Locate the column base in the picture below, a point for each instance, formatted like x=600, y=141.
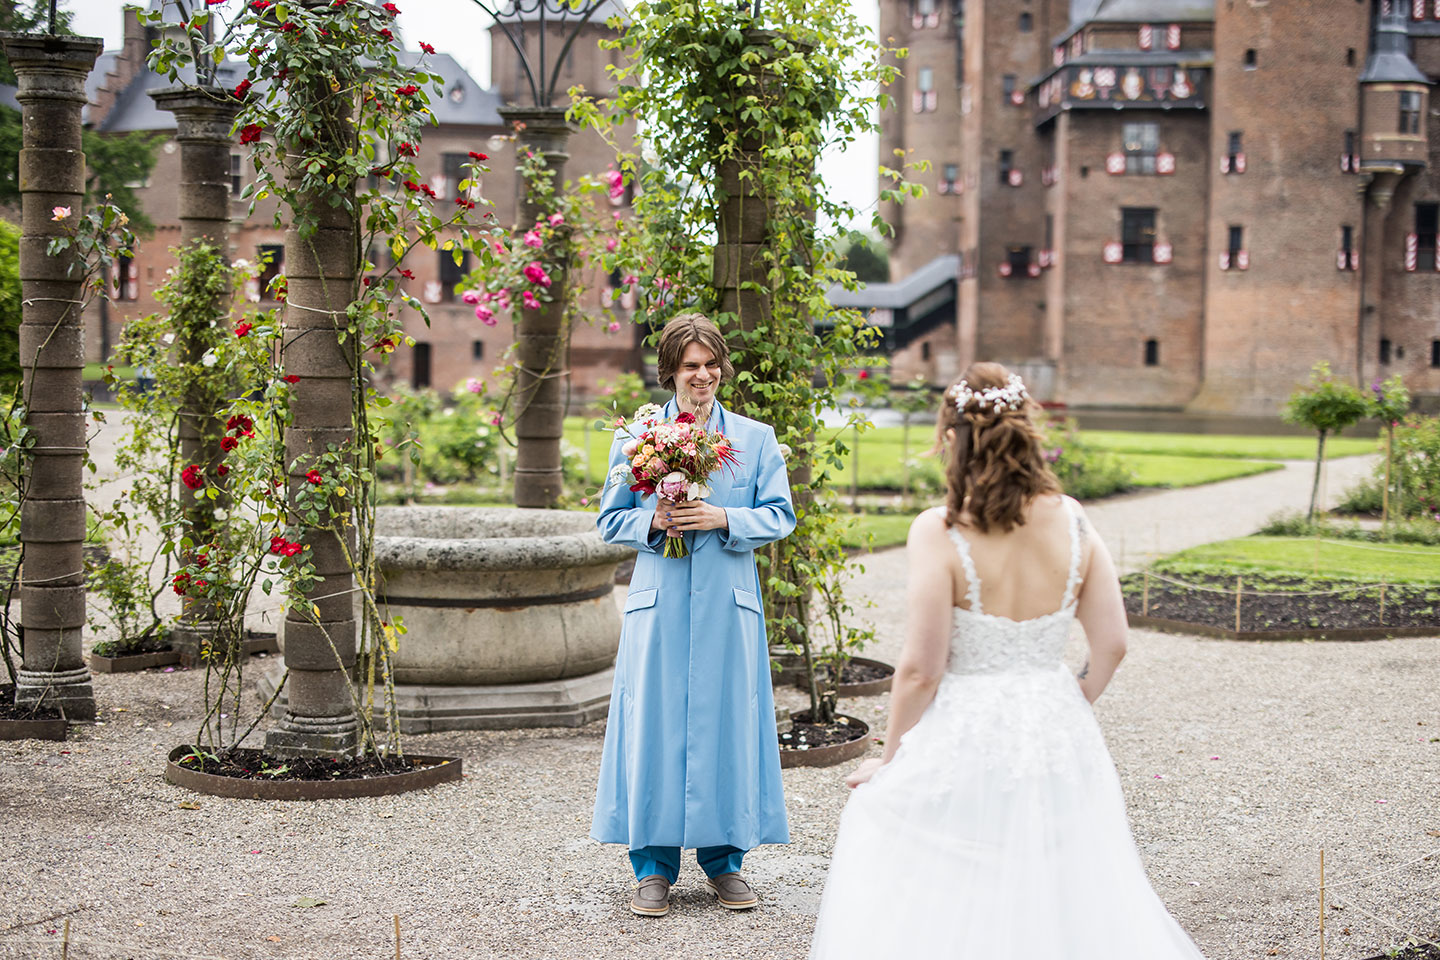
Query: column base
x=190, y=639
x=314, y=737
x=70, y=691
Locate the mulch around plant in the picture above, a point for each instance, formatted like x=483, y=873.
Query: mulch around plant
x=809, y=735
x=1419, y=951
x=9, y=711
x=859, y=672
x=1285, y=607
x=132, y=647
x=246, y=764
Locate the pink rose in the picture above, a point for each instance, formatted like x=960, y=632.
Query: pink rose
x=530, y=300
x=556, y=219
x=611, y=244
x=535, y=273
x=674, y=486
x=485, y=315
x=631, y=279
x=475, y=385
x=613, y=326
x=470, y=296
x=532, y=239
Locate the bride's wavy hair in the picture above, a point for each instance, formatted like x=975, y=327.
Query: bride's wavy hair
x=994, y=465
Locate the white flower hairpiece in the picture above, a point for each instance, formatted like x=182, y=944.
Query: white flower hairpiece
x=1012, y=396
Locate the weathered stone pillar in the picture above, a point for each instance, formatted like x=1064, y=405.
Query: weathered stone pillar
x=52, y=72
x=203, y=117
x=320, y=648
x=542, y=342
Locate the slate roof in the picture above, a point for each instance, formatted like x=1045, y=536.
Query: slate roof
x=902, y=293
x=1141, y=11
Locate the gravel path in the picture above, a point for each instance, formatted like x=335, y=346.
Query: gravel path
x=1239, y=763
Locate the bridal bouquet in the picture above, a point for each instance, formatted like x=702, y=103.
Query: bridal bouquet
x=673, y=458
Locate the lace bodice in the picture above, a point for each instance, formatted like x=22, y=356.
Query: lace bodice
x=985, y=643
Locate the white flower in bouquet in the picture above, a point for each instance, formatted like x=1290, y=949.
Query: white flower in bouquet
x=647, y=411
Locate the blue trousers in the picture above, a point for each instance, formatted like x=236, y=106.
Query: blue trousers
x=666, y=861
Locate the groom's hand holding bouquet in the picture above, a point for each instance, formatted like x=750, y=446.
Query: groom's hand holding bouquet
x=674, y=459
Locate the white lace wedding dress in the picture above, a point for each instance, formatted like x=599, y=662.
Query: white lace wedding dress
x=998, y=829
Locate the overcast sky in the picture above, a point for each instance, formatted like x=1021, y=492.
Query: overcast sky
x=458, y=27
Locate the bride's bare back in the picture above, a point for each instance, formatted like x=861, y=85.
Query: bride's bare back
x=1022, y=573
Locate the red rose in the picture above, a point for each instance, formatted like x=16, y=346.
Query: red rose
x=260, y=5
x=202, y=584
x=408, y=150
x=479, y=156
x=288, y=26
x=290, y=549
x=407, y=274
x=290, y=378
x=242, y=88
x=864, y=374
x=192, y=477
x=241, y=329
x=426, y=47
x=428, y=190
x=411, y=185
x=222, y=470
x=228, y=444
x=390, y=8
x=250, y=133
x=467, y=204
x=387, y=34
x=685, y=417
x=213, y=3
x=314, y=477
x=409, y=90
x=277, y=543
x=202, y=561
x=180, y=581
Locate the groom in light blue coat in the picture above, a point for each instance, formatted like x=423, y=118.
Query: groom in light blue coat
x=691, y=758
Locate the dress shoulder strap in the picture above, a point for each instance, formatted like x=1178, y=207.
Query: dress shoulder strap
x=1072, y=579
x=972, y=579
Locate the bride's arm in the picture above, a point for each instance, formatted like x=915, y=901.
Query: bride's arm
x=1101, y=611
x=930, y=601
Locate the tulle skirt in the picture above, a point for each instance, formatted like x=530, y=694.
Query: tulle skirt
x=997, y=831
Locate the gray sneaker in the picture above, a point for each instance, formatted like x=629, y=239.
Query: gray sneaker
x=652, y=897
x=733, y=892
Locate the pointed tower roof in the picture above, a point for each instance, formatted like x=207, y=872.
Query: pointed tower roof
x=1389, y=60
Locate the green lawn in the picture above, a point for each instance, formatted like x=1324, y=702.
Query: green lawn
x=886, y=529
x=1401, y=563
x=1206, y=445
x=1163, y=470
x=96, y=371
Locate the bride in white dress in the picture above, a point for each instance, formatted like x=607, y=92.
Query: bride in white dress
x=993, y=826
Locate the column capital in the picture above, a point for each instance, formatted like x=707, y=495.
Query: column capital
x=202, y=114
x=51, y=68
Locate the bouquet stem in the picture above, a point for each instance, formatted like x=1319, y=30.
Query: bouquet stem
x=675, y=546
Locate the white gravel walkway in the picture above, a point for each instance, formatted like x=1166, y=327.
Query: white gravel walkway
x=1239, y=762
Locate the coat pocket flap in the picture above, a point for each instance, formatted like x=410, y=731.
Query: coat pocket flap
x=748, y=600
x=640, y=599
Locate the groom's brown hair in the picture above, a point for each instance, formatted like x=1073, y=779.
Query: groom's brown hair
x=683, y=330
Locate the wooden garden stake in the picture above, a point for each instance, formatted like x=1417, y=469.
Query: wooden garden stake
x=1145, y=596
x=1237, y=604
x=397, y=936
x=1322, y=903
x=1382, y=603
x=65, y=941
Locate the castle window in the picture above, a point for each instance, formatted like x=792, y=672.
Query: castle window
x=949, y=179
x=1427, y=220
x=1018, y=259
x=1152, y=352
x=451, y=273
x=1027, y=23
x=1142, y=142
x=1007, y=86
x=1137, y=234
x=477, y=349
x=420, y=366
x=1237, y=241
x=925, y=350
x=1251, y=62
x=1435, y=353
x=1349, y=56
x=237, y=176
x=1409, y=111
x=1347, y=247
x=1384, y=350
x=925, y=95
x=453, y=166
x=272, y=260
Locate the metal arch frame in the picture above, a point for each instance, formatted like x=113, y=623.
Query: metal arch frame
x=508, y=17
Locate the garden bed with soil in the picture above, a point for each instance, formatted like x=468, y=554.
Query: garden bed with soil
x=30, y=722
x=1282, y=607
x=809, y=744
x=1419, y=951
x=251, y=774
x=860, y=677
x=151, y=653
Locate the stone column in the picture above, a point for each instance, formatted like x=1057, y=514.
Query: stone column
x=52, y=72
x=320, y=649
x=203, y=116
x=542, y=342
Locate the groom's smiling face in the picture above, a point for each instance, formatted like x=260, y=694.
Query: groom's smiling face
x=698, y=376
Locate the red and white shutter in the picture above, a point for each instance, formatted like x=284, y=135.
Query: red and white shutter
x=1342, y=260
x=933, y=20
x=1239, y=163
x=1164, y=253
x=932, y=97
x=1033, y=269
x=1224, y=259
x=1016, y=178
x=1172, y=37
x=1017, y=97
x=114, y=279
x=1417, y=9
x=1242, y=259
x=1412, y=249
x=1059, y=55
x=1004, y=269
x=132, y=289
x=1354, y=259
x=1115, y=164
x=917, y=21
x=1114, y=252
x=1077, y=45
x=917, y=101
x=1165, y=163
x=1225, y=164
x=1147, y=36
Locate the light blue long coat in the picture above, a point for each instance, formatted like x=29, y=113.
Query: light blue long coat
x=691, y=757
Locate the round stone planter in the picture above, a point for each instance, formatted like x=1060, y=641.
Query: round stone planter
x=509, y=615
x=428, y=772
x=830, y=754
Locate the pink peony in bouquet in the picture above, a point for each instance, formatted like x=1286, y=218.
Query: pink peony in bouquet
x=672, y=458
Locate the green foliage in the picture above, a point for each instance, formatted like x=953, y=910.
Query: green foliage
x=623, y=395
x=1293, y=524
x=1084, y=473
x=1222, y=445
x=1325, y=405
x=868, y=259
x=729, y=102
x=9, y=306
x=1307, y=557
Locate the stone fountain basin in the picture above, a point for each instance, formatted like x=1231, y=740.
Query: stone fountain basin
x=493, y=595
